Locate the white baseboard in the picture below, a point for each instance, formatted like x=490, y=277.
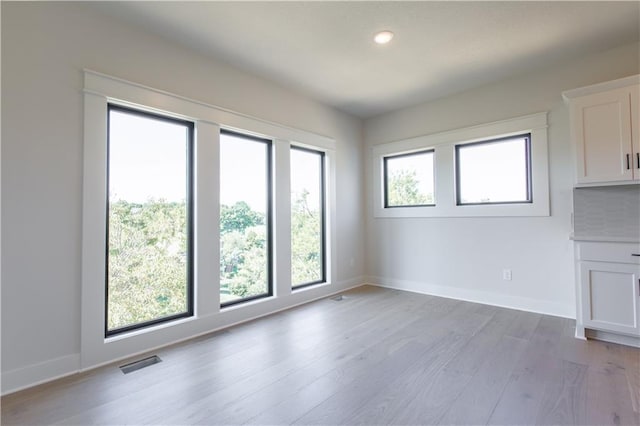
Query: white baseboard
x=495, y=299
x=353, y=283
x=35, y=374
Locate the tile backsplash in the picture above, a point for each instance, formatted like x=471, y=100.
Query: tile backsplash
x=611, y=211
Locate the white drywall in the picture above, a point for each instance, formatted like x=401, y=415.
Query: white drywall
x=45, y=47
x=465, y=257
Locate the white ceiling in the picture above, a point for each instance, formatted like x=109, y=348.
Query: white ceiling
x=325, y=49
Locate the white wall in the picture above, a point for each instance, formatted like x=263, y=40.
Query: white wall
x=45, y=46
x=464, y=257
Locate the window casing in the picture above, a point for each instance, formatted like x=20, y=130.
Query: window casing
x=495, y=171
x=246, y=240
x=100, y=91
x=149, y=232
x=444, y=146
x=409, y=179
x=308, y=217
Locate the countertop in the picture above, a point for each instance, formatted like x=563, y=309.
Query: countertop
x=602, y=239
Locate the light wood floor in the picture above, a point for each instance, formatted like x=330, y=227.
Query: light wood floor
x=377, y=357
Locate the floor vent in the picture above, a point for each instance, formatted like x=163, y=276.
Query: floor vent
x=338, y=297
x=142, y=363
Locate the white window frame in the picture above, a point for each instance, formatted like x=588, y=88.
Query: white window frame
x=101, y=89
x=444, y=145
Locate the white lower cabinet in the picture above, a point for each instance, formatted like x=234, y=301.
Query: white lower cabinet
x=609, y=291
x=610, y=296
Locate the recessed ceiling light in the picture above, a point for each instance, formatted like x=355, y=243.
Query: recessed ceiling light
x=383, y=37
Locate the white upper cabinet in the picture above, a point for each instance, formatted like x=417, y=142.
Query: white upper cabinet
x=605, y=130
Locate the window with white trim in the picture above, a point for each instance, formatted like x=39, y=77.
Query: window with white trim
x=154, y=212
x=408, y=179
x=149, y=257
x=245, y=218
x=493, y=169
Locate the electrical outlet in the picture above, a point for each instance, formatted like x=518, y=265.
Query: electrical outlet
x=506, y=274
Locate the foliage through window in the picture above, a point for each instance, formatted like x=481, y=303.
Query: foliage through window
x=149, y=256
x=307, y=217
x=245, y=222
x=496, y=171
x=162, y=184
x=408, y=180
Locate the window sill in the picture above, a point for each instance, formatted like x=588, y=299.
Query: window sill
x=242, y=304
x=148, y=330
x=309, y=286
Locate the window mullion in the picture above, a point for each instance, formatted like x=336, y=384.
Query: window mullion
x=282, y=218
x=207, y=219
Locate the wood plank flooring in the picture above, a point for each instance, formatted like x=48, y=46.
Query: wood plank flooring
x=378, y=356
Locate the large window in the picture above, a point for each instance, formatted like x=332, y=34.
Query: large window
x=495, y=171
x=307, y=217
x=245, y=218
x=149, y=220
x=182, y=218
x=408, y=180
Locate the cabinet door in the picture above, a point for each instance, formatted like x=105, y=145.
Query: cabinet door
x=602, y=131
x=610, y=296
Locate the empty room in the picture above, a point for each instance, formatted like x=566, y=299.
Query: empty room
x=322, y=212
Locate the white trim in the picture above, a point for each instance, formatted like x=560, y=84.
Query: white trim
x=603, y=239
x=602, y=184
x=206, y=205
x=330, y=216
x=93, y=218
x=545, y=307
x=632, y=80
x=36, y=374
x=511, y=126
x=140, y=96
x=99, y=91
x=443, y=145
x=282, y=218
